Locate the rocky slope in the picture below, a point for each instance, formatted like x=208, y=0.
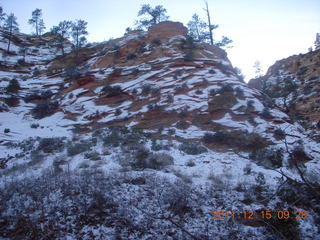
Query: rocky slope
x=155, y=112
x=293, y=83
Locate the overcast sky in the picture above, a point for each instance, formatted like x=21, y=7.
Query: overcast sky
x=264, y=30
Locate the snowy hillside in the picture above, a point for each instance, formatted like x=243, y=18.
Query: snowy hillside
x=145, y=137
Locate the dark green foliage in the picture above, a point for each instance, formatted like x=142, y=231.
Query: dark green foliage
x=142, y=159
x=72, y=72
x=78, y=148
x=13, y=86
x=181, y=88
x=51, y=145
x=146, y=88
x=209, y=138
x=6, y=130
x=131, y=56
x=112, y=91
x=188, y=43
x=44, y=109
x=212, y=71
x=198, y=92
x=192, y=148
x=35, y=72
x=252, y=121
x=268, y=157
x=34, y=125
x=123, y=136
x=152, y=16
x=188, y=57
x=298, y=156
x=266, y=113
x=284, y=228
x=250, y=103
x=45, y=95
x=156, y=42
x=239, y=91
x=279, y=134
x=241, y=140
x=226, y=88
x=12, y=101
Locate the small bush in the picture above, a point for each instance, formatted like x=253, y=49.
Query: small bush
x=72, y=72
x=239, y=91
x=156, y=42
x=6, y=130
x=188, y=57
x=268, y=157
x=226, y=88
x=112, y=91
x=250, y=103
x=190, y=163
x=78, y=148
x=252, y=121
x=208, y=138
x=181, y=88
x=298, y=156
x=146, y=88
x=13, y=86
x=44, y=109
x=94, y=156
x=212, y=71
x=266, y=113
x=21, y=62
x=34, y=125
x=279, y=134
x=35, y=72
x=242, y=140
x=192, y=148
x=12, y=101
x=131, y=56
x=198, y=92
x=50, y=145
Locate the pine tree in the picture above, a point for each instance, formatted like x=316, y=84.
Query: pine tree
x=2, y=16
x=201, y=31
x=78, y=32
x=257, y=69
x=198, y=29
x=10, y=26
x=317, y=42
x=61, y=33
x=154, y=16
x=37, y=22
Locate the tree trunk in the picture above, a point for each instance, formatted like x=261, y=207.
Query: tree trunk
x=209, y=23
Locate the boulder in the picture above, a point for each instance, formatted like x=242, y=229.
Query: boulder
x=166, y=30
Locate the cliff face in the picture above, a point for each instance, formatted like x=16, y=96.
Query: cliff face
x=152, y=109
x=294, y=84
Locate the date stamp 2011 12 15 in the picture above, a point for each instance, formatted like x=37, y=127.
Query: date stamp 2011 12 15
x=259, y=214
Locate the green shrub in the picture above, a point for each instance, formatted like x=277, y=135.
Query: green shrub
x=50, y=145
x=192, y=148
x=13, y=86
x=78, y=148
x=44, y=109
x=131, y=56
x=268, y=157
x=241, y=140
x=6, y=130
x=112, y=91
x=266, y=113
x=226, y=88
x=145, y=89
x=279, y=134
x=156, y=42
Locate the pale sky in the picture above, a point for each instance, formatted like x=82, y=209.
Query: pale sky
x=264, y=30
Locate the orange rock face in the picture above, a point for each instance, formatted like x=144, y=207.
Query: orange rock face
x=167, y=30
